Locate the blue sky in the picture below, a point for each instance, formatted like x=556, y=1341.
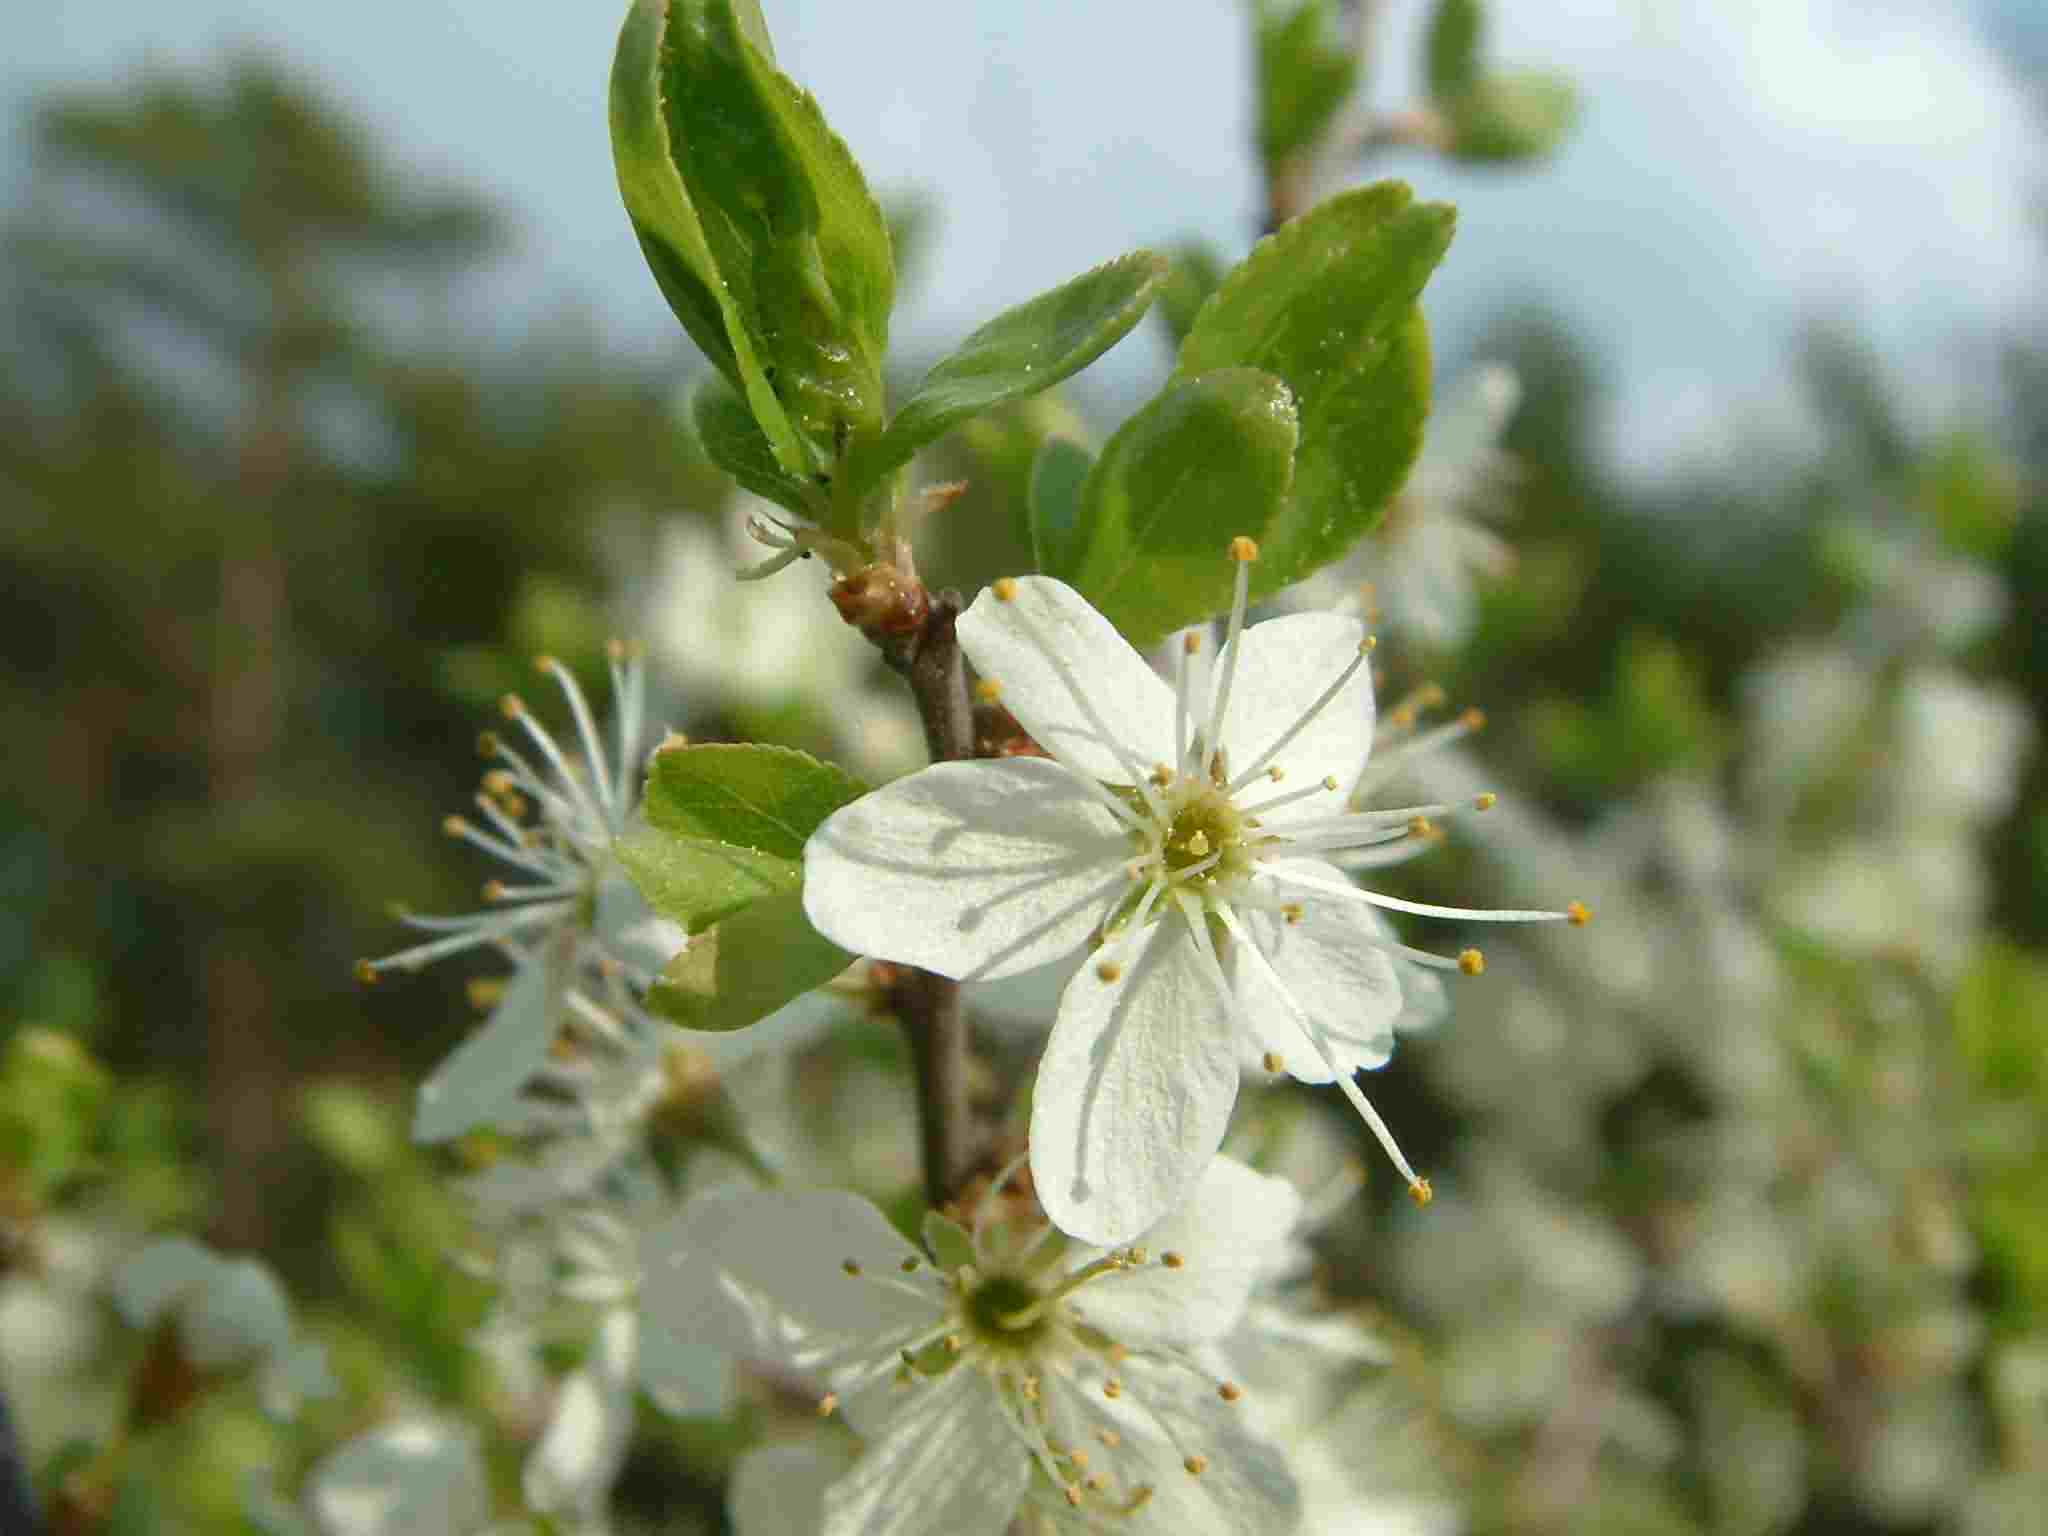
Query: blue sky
x=1741, y=162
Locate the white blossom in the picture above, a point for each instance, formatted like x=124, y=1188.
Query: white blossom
x=583, y=943
x=1006, y=1370
x=231, y=1315
x=1168, y=830
x=412, y=1477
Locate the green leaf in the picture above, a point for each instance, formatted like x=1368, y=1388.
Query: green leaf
x=1511, y=118
x=696, y=882
x=733, y=441
x=1054, y=507
x=1193, y=276
x=747, y=966
x=1212, y=457
x=1328, y=305
x=765, y=800
x=1450, y=49
x=1020, y=352
x=1306, y=74
x=757, y=222
x=951, y=1246
x=726, y=826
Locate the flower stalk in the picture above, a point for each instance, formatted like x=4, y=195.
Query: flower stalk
x=927, y=654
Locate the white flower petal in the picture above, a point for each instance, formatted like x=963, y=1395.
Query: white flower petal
x=685, y=1377
x=418, y=1477
x=1336, y=974
x=780, y=1489
x=1164, y=1415
x=484, y=1074
x=1227, y=1234
x=1118, y=692
x=973, y=870
x=1135, y=1088
x=948, y=1465
x=760, y=1274
x=1284, y=666
x=239, y=1314
x=571, y=1470
x=159, y=1276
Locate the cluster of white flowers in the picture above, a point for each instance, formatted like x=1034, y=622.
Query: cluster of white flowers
x=1069, y=1356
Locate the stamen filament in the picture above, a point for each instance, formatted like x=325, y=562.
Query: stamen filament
x=1219, y=708
x=1258, y=764
x=1314, y=1034
x=586, y=729
x=1418, y=908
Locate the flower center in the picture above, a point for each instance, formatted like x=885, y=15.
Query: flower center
x=1204, y=833
x=1006, y=1312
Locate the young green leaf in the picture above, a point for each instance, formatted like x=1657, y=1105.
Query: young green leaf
x=1307, y=72
x=1211, y=458
x=1328, y=305
x=1054, y=506
x=767, y=800
x=1450, y=48
x=747, y=966
x=756, y=221
x=1020, y=352
x=733, y=441
x=1511, y=118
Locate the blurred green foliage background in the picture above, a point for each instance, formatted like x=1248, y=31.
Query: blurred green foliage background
x=275, y=533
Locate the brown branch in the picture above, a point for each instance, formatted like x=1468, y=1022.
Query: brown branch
x=922, y=646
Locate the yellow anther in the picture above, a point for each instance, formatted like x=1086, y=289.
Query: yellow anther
x=1005, y=589
x=1109, y=970
x=1198, y=844
x=1485, y=802
x=495, y=890
x=1029, y=1387
x=1171, y=1259
x=953, y=1344
x=1471, y=962
x=1273, y=1062
x=1369, y=643
x=487, y=743
x=1420, y=826
x=546, y=663
x=454, y=826
x=1079, y=1458
x=1191, y=642
x=1243, y=549
x=511, y=706
x=1096, y=1482
x=615, y=649
x=909, y=1265
x=828, y=1405
x=1578, y=914
x=1112, y=1388
x=498, y=782
x=1276, y=773
x=1293, y=911
x=1473, y=719
x=851, y=1266
x=1109, y=1437
x=366, y=973
x=1073, y=1495
x=1420, y=1192
x=1329, y=781
x=988, y=690
x=1161, y=775
x=1196, y=1465
x=1229, y=1391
